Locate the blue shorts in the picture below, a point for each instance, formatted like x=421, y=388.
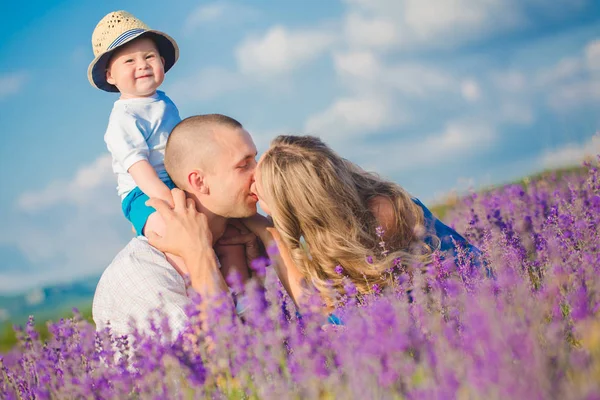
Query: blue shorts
x=135, y=208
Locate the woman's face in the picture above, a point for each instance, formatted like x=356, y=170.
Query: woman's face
x=258, y=189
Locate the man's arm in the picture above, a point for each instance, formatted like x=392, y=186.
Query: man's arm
x=187, y=235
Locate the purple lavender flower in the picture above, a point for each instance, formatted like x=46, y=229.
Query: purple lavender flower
x=376, y=289
x=437, y=331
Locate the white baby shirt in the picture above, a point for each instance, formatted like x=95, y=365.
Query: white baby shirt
x=138, y=130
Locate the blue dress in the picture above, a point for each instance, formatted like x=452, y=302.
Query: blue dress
x=449, y=241
x=449, y=238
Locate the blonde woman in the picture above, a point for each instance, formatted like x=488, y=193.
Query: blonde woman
x=333, y=220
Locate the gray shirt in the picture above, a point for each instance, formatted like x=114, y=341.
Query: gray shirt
x=137, y=282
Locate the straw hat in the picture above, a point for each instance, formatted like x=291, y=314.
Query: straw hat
x=113, y=31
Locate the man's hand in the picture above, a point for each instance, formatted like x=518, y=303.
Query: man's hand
x=186, y=230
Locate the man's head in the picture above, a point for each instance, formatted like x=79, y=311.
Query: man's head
x=213, y=159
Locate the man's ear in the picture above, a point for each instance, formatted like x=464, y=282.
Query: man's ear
x=197, y=182
x=163, y=60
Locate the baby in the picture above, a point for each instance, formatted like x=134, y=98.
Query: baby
x=131, y=59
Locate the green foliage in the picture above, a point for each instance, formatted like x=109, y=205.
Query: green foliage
x=7, y=334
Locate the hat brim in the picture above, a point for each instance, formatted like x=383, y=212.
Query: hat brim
x=167, y=47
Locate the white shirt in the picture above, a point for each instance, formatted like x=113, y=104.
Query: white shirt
x=137, y=130
x=139, y=281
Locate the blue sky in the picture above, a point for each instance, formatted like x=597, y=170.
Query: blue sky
x=437, y=95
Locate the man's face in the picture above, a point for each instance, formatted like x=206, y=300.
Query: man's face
x=232, y=175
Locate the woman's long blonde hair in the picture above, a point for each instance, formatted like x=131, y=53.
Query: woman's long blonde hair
x=315, y=194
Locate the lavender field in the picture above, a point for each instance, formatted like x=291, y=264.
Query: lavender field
x=525, y=326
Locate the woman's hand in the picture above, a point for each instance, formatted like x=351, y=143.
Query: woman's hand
x=186, y=230
x=259, y=225
x=244, y=237
x=275, y=235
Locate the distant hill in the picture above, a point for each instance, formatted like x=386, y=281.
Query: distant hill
x=442, y=208
x=47, y=303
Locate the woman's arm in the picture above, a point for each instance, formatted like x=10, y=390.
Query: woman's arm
x=287, y=270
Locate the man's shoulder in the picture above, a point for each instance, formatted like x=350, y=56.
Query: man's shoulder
x=138, y=260
x=137, y=281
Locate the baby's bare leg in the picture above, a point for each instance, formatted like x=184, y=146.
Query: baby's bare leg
x=156, y=224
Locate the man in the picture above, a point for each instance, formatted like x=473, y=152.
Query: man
x=212, y=158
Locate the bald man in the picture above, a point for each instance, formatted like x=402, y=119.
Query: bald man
x=212, y=158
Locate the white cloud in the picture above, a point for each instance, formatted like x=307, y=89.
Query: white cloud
x=457, y=139
x=386, y=24
x=516, y=112
x=281, y=50
x=434, y=19
x=566, y=97
x=365, y=32
x=207, y=84
x=358, y=64
x=592, y=55
x=418, y=24
x=352, y=116
x=572, y=81
x=67, y=230
x=570, y=154
x=565, y=70
x=509, y=81
x=470, y=90
x=221, y=12
x=12, y=83
x=88, y=182
x=364, y=71
x=420, y=80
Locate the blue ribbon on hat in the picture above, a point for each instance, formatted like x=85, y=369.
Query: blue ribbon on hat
x=124, y=36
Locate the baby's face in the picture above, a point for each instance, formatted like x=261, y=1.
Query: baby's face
x=136, y=69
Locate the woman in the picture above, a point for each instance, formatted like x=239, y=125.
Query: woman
x=333, y=220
